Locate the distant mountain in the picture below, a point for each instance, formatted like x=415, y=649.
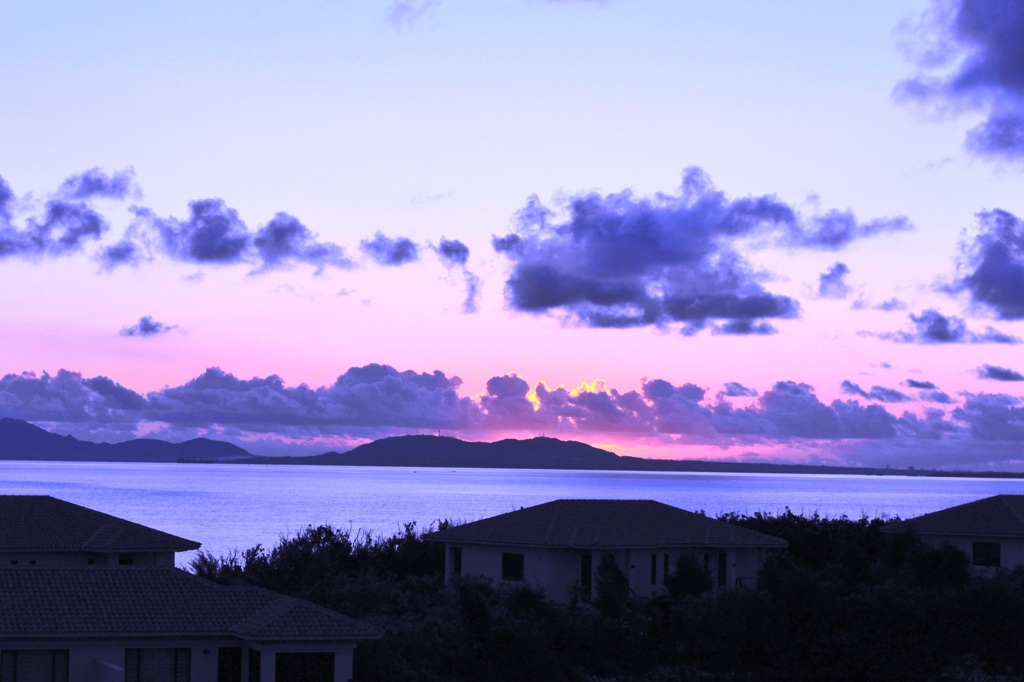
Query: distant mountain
x=441, y=451
x=21, y=440
x=536, y=453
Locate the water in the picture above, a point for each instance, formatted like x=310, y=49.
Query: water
x=233, y=506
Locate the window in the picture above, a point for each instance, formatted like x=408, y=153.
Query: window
x=664, y=569
x=986, y=554
x=254, y=665
x=654, y=569
x=125, y=560
x=43, y=665
x=512, y=566
x=229, y=664
x=304, y=667
x=157, y=665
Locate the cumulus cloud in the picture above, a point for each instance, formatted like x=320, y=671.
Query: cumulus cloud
x=999, y=373
x=993, y=417
x=735, y=389
x=95, y=183
x=914, y=383
x=455, y=255
x=621, y=260
x=993, y=264
x=388, y=251
x=832, y=282
x=378, y=400
x=879, y=393
x=970, y=57
x=932, y=327
x=285, y=240
x=147, y=326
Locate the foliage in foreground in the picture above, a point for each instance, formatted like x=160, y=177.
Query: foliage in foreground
x=845, y=602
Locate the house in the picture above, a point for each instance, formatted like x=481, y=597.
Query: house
x=89, y=597
x=990, y=531
x=557, y=546
x=43, y=531
x=153, y=624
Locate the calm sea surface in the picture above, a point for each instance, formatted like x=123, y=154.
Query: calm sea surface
x=233, y=506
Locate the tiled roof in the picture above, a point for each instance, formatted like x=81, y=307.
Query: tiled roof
x=166, y=602
x=44, y=523
x=605, y=524
x=998, y=516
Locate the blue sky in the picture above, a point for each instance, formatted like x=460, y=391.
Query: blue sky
x=782, y=231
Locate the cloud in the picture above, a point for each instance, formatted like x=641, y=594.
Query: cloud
x=284, y=240
x=832, y=282
x=994, y=264
x=993, y=417
x=67, y=397
x=971, y=58
x=405, y=13
x=6, y=202
x=95, y=183
x=388, y=251
x=999, y=373
x=147, y=326
x=213, y=233
x=454, y=255
x=879, y=393
x=735, y=389
x=625, y=261
x=63, y=228
x=913, y=383
x=377, y=400
x=932, y=327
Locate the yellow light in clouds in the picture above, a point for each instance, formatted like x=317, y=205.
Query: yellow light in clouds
x=595, y=386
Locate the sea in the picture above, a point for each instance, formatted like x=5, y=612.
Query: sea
x=231, y=507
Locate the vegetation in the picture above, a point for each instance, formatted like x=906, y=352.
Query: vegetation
x=845, y=602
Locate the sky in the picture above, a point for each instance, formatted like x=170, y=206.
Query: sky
x=781, y=232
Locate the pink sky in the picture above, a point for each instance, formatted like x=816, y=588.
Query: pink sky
x=302, y=226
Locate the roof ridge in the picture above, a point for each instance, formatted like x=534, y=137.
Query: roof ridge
x=1006, y=503
x=553, y=522
x=264, y=616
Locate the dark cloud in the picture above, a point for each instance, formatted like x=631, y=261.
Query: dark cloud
x=994, y=261
x=832, y=282
x=284, y=240
x=624, y=261
x=62, y=229
x=879, y=393
x=370, y=397
x=975, y=46
x=993, y=417
x=913, y=383
x=932, y=327
x=147, y=326
x=452, y=252
x=6, y=202
x=213, y=233
x=95, y=183
x=68, y=398
x=124, y=252
x=744, y=328
x=734, y=389
x=387, y=251
x=999, y=373
x=455, y=255
x=378, y=400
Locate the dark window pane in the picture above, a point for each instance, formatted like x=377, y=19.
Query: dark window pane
x=305, y=667
x=987, y=554
x=512, y=566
